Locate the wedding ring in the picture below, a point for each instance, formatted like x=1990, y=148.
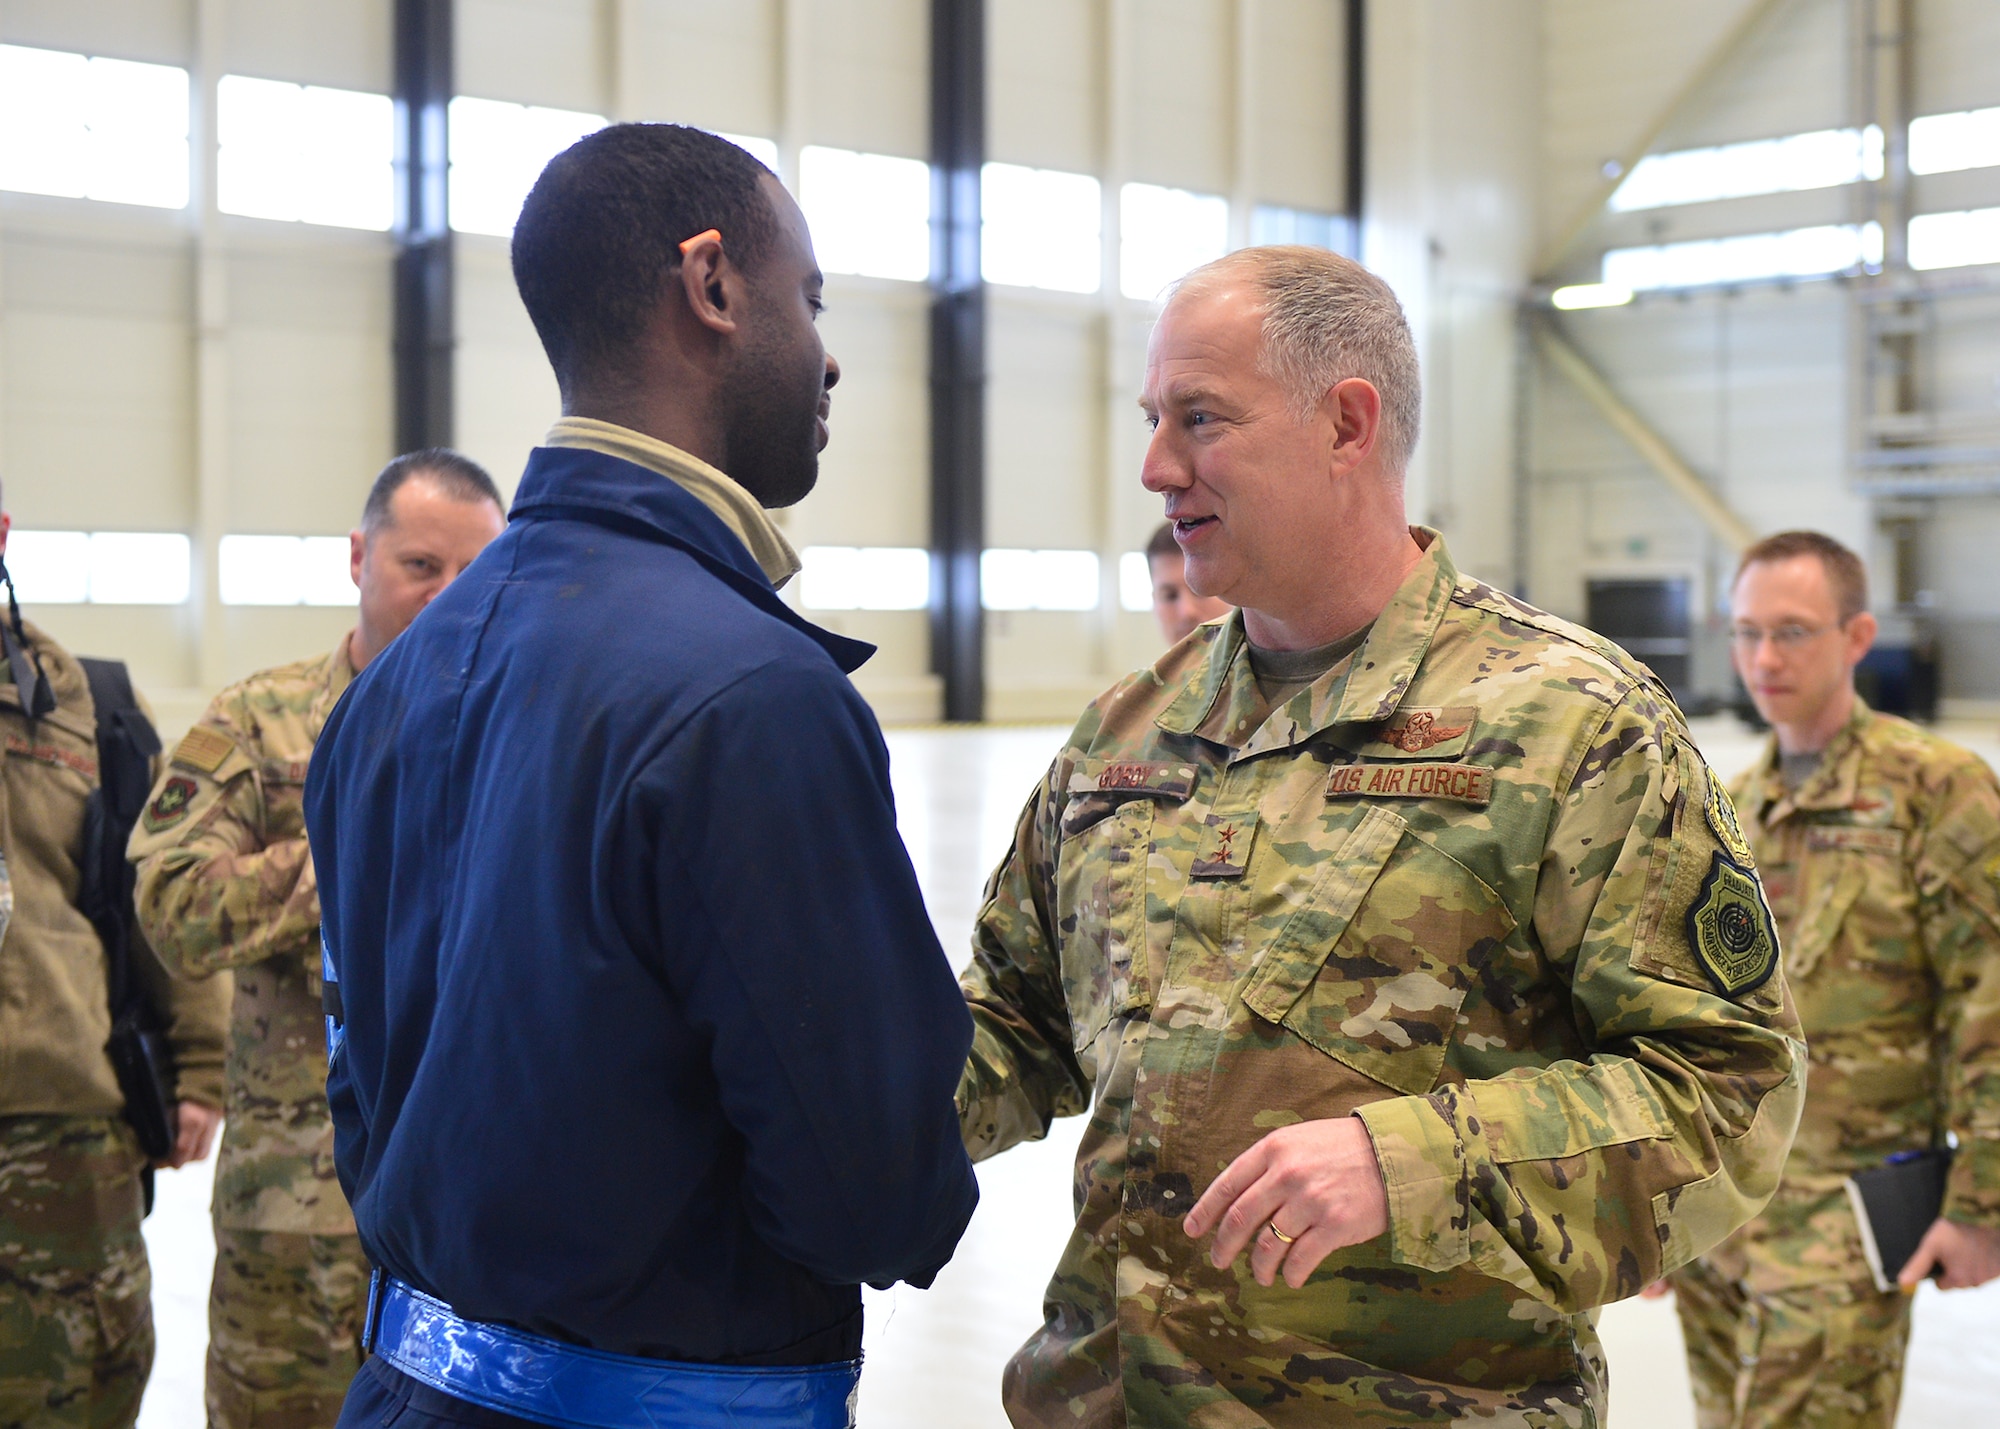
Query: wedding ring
x=1287, y=1239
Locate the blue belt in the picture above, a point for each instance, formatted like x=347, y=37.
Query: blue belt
x=575, y=1388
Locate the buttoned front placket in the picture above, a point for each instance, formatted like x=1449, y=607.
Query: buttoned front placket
x=1260, y=771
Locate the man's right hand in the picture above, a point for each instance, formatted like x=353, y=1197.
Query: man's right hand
x=1963, y=1256
x=1656, y=1290
x=195, y=1126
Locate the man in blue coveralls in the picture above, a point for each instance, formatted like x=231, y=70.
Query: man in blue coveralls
x=645, y=1051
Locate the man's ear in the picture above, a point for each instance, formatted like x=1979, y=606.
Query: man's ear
x=712, y=285
x=1355, y=409
x=1860, y=633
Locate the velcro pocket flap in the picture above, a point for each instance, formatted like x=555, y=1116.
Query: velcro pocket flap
x=1373, y=971
x=1820, y=923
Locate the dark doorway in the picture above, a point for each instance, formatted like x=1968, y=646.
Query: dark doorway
x=1650, y=619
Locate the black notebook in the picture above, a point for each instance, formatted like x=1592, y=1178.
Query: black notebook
x=1896, y=1203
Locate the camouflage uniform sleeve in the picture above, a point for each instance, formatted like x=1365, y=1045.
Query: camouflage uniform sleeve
x=212, y=892
x=1582, y=1180
x=1958, y=890
x=1021, y=1072
x=197, y=1013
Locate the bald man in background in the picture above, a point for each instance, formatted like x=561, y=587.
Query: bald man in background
x=225, y=882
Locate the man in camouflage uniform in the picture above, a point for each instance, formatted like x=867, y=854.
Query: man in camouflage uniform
x=226, y=882
x=1391, y=930
x=1880, y=847
x=76, y=1318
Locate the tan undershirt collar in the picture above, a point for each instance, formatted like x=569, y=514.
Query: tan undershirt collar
x=733, y=506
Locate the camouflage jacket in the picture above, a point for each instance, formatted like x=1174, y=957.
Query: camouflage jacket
x=1474, y=884
x=1883, y=869
x=55, y=1011
x=225, y=881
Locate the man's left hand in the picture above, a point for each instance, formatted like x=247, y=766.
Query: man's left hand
x=194, y=1134
x=1317, y=1182
x=1967, y=1256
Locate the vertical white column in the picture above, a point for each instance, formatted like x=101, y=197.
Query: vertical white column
x=617, y=24
x=1243, y=128
x=1118, y=24
x=211, y=350
x=795, y=60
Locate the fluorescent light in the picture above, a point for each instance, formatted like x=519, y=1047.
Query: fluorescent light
x=869, y=213
x=1825, y=158
x=498, y=150
x=864, y=578
x=1041, y=228
x=1164, y=234
x=1135, y=581
x=1590, y=295
x=1038, y=580
x=1955, y=240
x=88, y=127
x=1798, y=253
x=1942, y=143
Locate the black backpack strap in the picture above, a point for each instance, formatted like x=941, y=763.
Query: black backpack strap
x=126, y=744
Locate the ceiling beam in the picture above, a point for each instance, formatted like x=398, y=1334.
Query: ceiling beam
x=1718, y=58
x=1656, y=450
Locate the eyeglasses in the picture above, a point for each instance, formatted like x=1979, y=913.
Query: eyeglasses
x=1785, y=637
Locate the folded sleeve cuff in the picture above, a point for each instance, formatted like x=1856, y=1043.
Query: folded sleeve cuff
x=1423, y=1169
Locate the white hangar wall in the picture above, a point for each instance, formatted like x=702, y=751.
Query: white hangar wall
x=1758, y=384
x=186, y=370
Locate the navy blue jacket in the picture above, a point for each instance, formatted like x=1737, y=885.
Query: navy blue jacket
x=650, y=1043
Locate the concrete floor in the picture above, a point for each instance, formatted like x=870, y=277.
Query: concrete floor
x=934, y=1356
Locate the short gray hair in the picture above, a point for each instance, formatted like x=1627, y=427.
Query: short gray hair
x=1327, y=318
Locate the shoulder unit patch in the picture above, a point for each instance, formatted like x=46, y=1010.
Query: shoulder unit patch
x=1730, y=930
x=170, y=805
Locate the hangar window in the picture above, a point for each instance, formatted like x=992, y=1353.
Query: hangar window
x=1165, y=232
x=80, y=126
x=498, y=150
x=1271, y=224
x=1823, y=159
x=1942, y=143
x=870, y=213
x=1041, y=228
x=302, y=153
x=864, y=577
x=1135, y=581
x=1038, y=580
x=1955, y=240
x=1798, y=253
x=99, y=567
x=285, y=570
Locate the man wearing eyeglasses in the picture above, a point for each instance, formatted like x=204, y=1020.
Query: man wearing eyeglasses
x=1879, y=846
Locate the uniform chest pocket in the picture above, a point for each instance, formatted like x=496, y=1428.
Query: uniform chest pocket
x=1820, y=920
x=284, y=786
x=1373, y=967
x=1107, y=837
